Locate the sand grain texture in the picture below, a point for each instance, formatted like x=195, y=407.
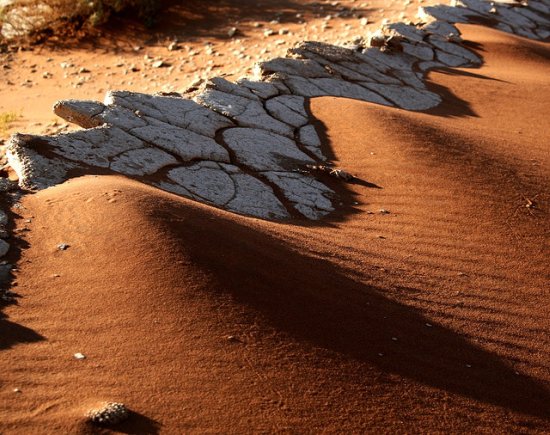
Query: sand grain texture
x=432, y=318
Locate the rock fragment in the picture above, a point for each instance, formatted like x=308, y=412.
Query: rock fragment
x=108, y=414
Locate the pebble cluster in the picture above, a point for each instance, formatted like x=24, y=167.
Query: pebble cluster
x=110, y=413
x=246, y=146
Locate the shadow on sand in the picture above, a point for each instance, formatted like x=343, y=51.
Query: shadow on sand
x=313, y=300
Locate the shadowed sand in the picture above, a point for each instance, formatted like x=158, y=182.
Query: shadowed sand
x=433, y=317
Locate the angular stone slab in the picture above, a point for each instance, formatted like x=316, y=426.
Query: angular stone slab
x=245, y=112
x=289, y=109
x=309, y=196
x=262, y=150
x=243, y=146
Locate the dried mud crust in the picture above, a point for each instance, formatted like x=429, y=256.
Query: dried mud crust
x=246, y=146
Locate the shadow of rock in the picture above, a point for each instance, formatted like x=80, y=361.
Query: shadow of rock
x=314, y=301
x=136, y=424
x=12, y=334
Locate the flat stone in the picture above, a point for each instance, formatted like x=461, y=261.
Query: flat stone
x=334, y=88
x=263, y=90
x=332, y=53
x=93, y=146
x=371, y=73
x=310, y=197
x=253, y=197
x=299, y=67
x=186, y=144
x=412, y=33
x=263, y=151
x=446, y=13
x=205, y=180
x=289, y=109
x=79, y=112
x=180, y=112
x=406, y=97
x=308, y=136
x=515, y=19
x=455, y=49
x=245, y=112
x=228, y=87
x=34, y=170
x=422, y=52
x=450, y=59
x=142, y=161
x=442, y=28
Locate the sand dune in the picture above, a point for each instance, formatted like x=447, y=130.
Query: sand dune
x=431, y=318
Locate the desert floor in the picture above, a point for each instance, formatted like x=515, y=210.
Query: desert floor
x=429, y=317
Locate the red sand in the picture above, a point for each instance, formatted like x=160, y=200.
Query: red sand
x=433, y=318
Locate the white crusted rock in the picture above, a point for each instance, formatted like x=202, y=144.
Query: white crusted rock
x=299, y=67
x=180, y=112
x=245, y=112
x=223, y=85
x=371, y=73
x=540, y=6
x=263, y=90
x=94, y=146
x=308, y=136
x=142, y=161
x=185, y=143
x=289, y=109
x=205, y=180
x=455, y=49
x=412, y=33
x=332, y=53
x=34, y=170
x=411, y=78
x=421, y=51
x=393, y=61
x=264, y=151
x=444, y=29
x=450, y=60
x=310, y=139
x=333, y=87
x=425, y=66
x=446, y=13
x=108, y=414
x=406, y=97
x=226, y=186
x=510, y=16
x=79, y=112
x=482, y=7
x=309, y=196
x=253, y=197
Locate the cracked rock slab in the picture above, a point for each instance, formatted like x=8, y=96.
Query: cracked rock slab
x=263, y=151
x=242, y=146
x=309, y=196
x=245, y=112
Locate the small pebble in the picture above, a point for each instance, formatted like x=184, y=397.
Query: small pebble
x=79, y=355
x=62, y=246
x=109, y=413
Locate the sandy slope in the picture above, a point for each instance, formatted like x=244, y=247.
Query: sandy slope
x=432, y=318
